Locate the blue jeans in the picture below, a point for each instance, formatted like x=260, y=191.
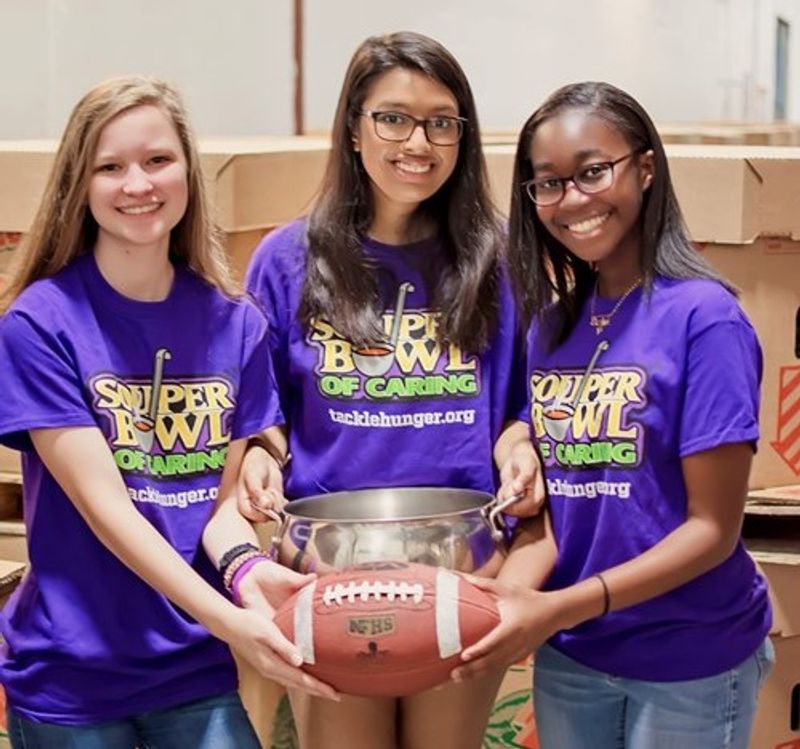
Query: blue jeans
x=215, y=723
x=580, y=708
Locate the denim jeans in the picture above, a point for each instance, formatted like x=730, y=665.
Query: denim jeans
x=215, y=723
x=580, y=708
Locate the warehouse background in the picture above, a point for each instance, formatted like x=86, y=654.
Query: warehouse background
x=236, y=62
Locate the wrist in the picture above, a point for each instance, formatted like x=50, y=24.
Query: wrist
x=240, y=575
x=583, y=601
x=259, y=441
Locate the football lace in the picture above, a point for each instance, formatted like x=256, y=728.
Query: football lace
x=364, y=591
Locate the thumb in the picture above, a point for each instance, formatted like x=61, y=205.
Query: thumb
x=284, y=647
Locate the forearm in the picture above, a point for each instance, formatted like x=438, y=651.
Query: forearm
x=227, y=528
x=81, y=463
x=513, y=433
x=695, y=547
x=532, y=555
x=131, y=538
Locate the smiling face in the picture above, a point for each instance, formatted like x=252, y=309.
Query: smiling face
x=138, y=188
x=602, y=228
x=403, y=175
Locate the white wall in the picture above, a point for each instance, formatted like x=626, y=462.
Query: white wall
x=231, y=59
x=686, y=60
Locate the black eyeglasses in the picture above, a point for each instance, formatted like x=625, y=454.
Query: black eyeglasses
x=398, y=127
x=590, y=179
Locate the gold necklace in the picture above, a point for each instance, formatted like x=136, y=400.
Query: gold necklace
x=601, y=322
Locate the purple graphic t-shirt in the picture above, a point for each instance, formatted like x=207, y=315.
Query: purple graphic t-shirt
x=613, y=415
x=169, y=384
x=411, y=413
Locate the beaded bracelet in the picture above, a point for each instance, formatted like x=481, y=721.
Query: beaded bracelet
x=234, y=552
x=238, y=576
x=236, y=564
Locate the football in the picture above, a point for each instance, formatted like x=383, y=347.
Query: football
x=386, y=629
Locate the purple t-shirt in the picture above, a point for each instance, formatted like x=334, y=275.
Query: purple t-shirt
x=680, y=375
x=420, y=414
x=86, y=639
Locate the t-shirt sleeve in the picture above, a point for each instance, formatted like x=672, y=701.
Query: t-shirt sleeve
x=41, y=385
x=257, y=405
x=268, y=283
x=723, y=375
x=518, y=408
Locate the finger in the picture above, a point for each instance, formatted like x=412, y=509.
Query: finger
x=489, y=584
x=489, y=642
x=316, y=687
x=283, y=647
x=294, y=677
x=479, y=667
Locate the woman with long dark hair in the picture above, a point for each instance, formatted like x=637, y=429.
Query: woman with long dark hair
x=393, y=335
x=643, y=377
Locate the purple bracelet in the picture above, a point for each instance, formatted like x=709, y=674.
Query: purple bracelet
x=240, y=573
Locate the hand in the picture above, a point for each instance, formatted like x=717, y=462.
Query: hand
x=260, y=485
x=264, y=587
x=528, y=618
x=255, y=638
x=521, y=474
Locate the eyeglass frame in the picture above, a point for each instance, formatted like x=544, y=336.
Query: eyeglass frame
x=374, y=113
x=528, y=183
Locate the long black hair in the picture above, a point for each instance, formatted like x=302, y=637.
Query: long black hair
x=340, y=284
x=541, y=266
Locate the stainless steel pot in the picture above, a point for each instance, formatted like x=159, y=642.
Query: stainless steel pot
x=459, y=529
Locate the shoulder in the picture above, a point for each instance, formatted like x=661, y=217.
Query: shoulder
x=702, y=303
x=50, y=301
x=283, y=250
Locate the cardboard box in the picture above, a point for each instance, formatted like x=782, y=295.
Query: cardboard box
x=512, y=721
x=13, y=545
x=259, y=183
x=777, y=722
x=772, y=536
x=10, y=463
x=743, y=209
x=767, y=272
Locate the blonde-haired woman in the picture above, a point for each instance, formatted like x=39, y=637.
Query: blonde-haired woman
x=133, y=375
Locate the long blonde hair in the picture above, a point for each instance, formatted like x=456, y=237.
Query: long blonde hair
x=64, y=227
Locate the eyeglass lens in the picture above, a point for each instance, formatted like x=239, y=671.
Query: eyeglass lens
x=395, y=126
x=594, y=178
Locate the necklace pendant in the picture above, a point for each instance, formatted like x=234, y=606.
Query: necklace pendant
x=599, y=323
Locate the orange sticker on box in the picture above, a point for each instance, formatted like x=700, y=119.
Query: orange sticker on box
x=787, y=443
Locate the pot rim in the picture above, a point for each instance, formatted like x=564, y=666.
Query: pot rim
x=490, y=499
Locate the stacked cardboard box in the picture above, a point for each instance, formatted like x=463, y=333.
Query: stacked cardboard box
x=772, y=531
x=255, y=184
x=742, y=207
x=732, y=133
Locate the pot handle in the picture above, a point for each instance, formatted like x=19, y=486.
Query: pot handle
x=281, y=519
x=496, y=524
